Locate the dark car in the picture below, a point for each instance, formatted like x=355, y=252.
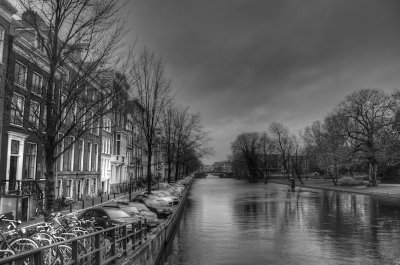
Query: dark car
x=155, y=205
x=107, y=217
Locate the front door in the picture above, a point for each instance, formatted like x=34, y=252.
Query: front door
x=24, y=208
x=12, y=175
x=15, y=152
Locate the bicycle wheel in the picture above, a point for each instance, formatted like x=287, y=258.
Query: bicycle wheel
x=80, y=231
x=45, y=239
x=5, y=254
x=23, y=244
x=65, y=255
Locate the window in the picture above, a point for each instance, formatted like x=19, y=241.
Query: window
x=37, y=81
x=44, y=115
x=89, y=165
x=118, y=144
x=68, y=156
x=17, y=109
x=68, y=188
x=81, y=154
x=30, y=160
x=83, y=118
x=107, y=124
x=34, y=114
x=2, y=33
x=20, y=74
x=90, y=120
x=59, y=187
x=96, y=157
x=63, y=107
x=93, y=188
x=106, y=145
x=71, y=115
x=97, y=127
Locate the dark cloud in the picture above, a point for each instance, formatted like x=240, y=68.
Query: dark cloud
x=243, y=64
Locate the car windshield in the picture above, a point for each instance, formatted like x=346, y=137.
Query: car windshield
x=114, y=214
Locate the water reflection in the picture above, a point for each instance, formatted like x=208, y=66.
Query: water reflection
x=229, y=221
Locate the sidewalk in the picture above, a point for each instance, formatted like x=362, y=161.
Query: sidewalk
x=387, y=190
x=80, y=205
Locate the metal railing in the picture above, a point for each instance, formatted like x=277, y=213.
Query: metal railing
x=19, y=187
x=101, y=248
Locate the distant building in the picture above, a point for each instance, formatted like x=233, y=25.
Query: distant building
x=222, y=167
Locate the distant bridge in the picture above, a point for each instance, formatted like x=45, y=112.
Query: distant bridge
x=220, y=174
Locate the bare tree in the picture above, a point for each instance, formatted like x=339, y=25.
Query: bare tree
x=297, y=157
x=246, y=145
x=313, y=138
x=367, y=114
x=151, y=88
x=266, y=148
x=73, y=40
x=168, y=144
x=188, y=138
x=283, y=144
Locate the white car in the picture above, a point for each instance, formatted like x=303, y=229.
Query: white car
x=166, y=194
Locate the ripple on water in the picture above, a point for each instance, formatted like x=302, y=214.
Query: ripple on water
x=230, y=221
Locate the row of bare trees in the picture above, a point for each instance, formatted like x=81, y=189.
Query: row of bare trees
x=184, y=141
x=166, y=127
x=255, y=155
x=78, y=43
x=361, y=134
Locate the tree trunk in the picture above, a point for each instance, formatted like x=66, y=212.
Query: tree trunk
x=335, y=176
x=169, y=171
x=149, y=156
x=49, y=187
x=373, y=171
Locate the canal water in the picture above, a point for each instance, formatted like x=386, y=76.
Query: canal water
x=232, y=222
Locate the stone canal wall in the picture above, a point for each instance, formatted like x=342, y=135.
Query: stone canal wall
x=153, y=249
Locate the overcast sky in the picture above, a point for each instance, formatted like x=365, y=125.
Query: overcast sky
x=243, y=64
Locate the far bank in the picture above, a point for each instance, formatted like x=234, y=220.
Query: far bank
x=386, y=190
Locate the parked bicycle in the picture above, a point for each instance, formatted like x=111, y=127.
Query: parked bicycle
x=15, y=241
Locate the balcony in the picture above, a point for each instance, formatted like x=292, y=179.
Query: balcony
x=19, y=187
x=118, y=159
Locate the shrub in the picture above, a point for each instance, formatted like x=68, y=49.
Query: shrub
x=349, y=181
x=60, y=203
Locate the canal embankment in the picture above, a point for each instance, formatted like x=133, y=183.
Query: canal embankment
x=157, y=240
x=382, y=190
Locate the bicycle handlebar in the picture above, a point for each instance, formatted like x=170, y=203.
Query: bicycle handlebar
x=14, y=222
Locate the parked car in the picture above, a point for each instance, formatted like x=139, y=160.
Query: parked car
x=158, y=206
x=107, y=217
x=151, y=217
x=177, y=190
x=140, y=210
x=167, y=199
x=131, y=210
x=166, y=194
